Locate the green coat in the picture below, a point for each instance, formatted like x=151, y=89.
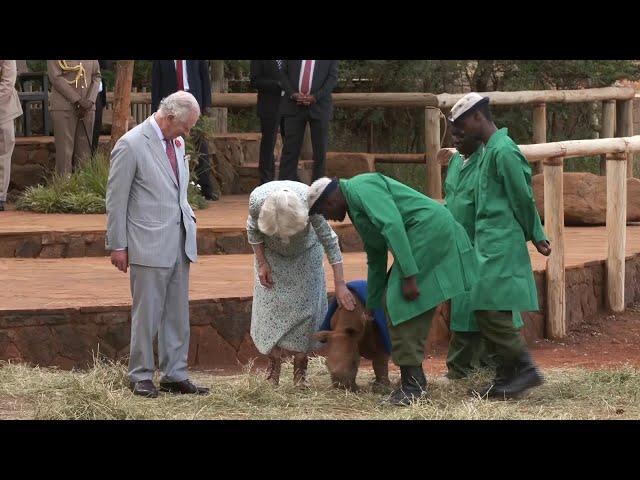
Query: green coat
x=506, y=219
x=421, y=234
x=460, y=190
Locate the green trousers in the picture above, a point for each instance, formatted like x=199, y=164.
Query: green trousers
x=501, y=335
x=408, y=339
x=468, y=351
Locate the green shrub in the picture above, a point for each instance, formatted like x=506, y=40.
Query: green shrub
x=83, y=192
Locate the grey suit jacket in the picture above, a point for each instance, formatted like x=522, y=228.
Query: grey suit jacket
x=145, y=207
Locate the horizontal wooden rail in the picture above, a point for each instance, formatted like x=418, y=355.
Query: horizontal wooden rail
x=403, y=158
x=567, y=149
x=247, y=100
x=447, y=100
x=418, y=99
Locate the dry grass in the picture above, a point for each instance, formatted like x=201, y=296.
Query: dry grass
x=102, y=393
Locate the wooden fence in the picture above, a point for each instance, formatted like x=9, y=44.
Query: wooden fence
x=617, y=115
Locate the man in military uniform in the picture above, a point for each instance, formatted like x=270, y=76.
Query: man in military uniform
x=433, y=260
x=9, y=110
x=506, y=219
x=74, y=89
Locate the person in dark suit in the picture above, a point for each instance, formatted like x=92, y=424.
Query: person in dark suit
x=308, y=85
x=101, y=102
x=169, y=76
x=265, y=77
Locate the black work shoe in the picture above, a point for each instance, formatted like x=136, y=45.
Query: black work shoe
x=413, y=386
x=511, y=382
x=183, y=387
x=527, y=376
x=144, y=388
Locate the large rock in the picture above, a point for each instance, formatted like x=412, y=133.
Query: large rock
x=349, y=164
x=585, y=198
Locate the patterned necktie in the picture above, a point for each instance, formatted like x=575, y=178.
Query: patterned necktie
x=179, y=74
x=171, y=153
x=305, y=87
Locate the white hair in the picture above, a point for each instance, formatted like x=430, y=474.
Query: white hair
x=316, y=189
x=179, y=104
x=283, y=215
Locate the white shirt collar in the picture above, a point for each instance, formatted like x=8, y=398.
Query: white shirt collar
x=156, y=127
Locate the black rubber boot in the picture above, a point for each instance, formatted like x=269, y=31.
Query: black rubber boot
x=512, y=381
x=527, y=376
x=504, y=373
x=413, y=385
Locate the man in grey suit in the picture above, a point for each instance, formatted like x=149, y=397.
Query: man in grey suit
x=151, y=226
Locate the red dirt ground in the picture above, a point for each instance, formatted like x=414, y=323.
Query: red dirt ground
x=605, y=341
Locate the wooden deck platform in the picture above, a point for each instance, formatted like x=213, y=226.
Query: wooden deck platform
x=32, y=284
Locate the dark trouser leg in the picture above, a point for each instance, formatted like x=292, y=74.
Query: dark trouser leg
x=498, y=329
x=97, y=124
x=407, y=351
x=515, y=370
x=203, y=169
x=465, y=352
x=294, y=126
x=408, y=339
x=269, y=130
x=319, y=141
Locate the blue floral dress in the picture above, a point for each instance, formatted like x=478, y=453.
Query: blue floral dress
x=288, y=314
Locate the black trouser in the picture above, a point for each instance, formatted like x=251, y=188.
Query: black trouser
x=269, y=129
x=295, y=126
x=203, y=169
x=97, y=124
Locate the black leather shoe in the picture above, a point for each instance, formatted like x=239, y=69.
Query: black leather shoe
x=183, y=387
x=413, y=385
x=144, y=388
x=1, y=205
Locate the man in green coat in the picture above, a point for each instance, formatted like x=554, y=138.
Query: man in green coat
x=433, y=260
x=506, y=219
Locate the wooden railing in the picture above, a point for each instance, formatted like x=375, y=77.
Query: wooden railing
x=617, y=115
x=618, y=152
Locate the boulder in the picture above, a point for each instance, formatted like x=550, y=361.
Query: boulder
x=585, y=198
x=349, y=164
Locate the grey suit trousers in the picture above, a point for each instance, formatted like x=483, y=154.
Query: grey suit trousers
x=160, y=306
x=7, y=143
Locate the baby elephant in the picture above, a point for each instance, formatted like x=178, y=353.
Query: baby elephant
x=350, y=337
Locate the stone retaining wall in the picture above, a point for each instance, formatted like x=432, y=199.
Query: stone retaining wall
x=220, y=327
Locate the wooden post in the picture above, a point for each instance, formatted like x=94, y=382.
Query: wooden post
x=616, y=229
x=218, y=84
x=539, y=129
x=121, y=100
x=608, y=128
x=432, y=146
x=135, y=107
x=624, y=127
x=556, y=327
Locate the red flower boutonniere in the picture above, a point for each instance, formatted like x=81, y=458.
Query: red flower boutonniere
x=178, y=143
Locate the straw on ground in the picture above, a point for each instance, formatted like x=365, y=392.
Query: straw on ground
x=101, y=393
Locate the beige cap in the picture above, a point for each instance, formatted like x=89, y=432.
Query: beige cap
x=465, y=104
